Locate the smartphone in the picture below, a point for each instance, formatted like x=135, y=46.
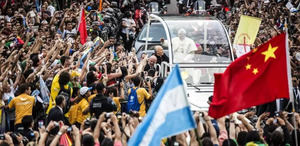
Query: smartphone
x=69, y=129
x=202, y=119
x=41, y=123
x=107, y=115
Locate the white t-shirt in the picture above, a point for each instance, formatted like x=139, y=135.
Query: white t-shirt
x=129, y=24
x=7, y=96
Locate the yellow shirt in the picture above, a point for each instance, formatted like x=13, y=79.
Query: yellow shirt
x=1, y=104
x=142, y=95
x=23, y=105
x=118, y=104
x=91, y=97
x=55, y=88
x=73, y=113
x=82, y=105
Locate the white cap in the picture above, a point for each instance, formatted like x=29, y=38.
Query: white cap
x=298, y=56
x=84, y=90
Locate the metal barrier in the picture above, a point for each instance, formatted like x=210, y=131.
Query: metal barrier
x=164, y=69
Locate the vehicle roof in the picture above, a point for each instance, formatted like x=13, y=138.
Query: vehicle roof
x=191, y=17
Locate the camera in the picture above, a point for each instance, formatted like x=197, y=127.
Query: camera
x=276, y=114
x=147, y=79
x=134, y=114
x=25, y=140
x=87, y=123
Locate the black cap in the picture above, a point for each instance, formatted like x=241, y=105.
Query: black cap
x=100, y=87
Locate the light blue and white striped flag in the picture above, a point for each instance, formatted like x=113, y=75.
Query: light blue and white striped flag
x=44, y=91
x=169, y=114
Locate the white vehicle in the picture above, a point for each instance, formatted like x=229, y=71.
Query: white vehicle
x=201, y=47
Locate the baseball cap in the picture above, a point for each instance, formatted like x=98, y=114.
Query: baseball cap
x=84, y=90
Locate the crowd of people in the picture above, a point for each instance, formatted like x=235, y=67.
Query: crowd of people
x=56, y=91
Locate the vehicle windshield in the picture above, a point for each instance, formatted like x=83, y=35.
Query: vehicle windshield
x=199, y=41
x=197, y=76
x=156, y=32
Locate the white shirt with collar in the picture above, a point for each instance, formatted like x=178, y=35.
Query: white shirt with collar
x=60, y=109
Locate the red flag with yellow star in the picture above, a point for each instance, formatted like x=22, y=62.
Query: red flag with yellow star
x=255, y=78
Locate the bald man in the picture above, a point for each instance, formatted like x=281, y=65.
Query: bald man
x=151, y=65
x=160, y=55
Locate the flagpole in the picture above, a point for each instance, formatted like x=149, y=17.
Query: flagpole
x=80, y=15
x=147, y=31
x=290, y=79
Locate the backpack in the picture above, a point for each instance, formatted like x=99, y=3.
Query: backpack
x=133, y=103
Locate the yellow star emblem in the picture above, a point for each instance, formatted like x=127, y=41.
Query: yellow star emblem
x=248, y=66
x=270, y=52
x=255, y=71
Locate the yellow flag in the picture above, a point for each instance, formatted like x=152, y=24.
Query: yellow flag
x=246, y=34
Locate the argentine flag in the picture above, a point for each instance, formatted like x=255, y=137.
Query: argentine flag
x=169, y=114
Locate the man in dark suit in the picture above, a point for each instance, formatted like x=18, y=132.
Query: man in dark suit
x=57, y=114
x=160, y=55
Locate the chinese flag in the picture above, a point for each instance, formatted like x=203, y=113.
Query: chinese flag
x=82, y=28
x=255, y=78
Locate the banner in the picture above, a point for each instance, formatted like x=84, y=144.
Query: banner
x=246, y=34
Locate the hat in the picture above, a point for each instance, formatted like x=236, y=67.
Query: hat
x=84, y=90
